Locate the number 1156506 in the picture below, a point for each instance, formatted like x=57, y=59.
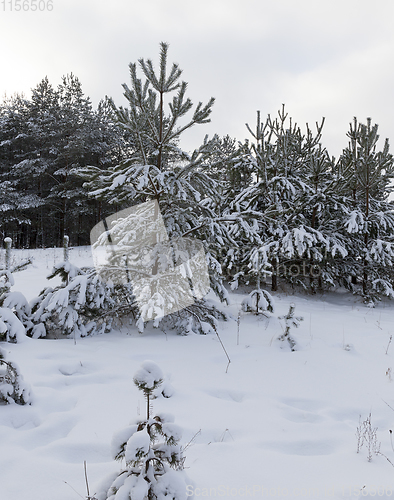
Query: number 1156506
x=26, y=5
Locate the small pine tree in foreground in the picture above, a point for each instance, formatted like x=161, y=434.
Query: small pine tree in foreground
x=154, y=459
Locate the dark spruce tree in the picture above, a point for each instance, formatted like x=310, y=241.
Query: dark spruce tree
x=18, y=205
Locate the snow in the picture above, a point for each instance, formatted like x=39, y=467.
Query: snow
x=277, y=424
x=149, y=376
x=172, y=430
x=120, y=438
x=137, y=444
x=11, y=326
x=16, y=300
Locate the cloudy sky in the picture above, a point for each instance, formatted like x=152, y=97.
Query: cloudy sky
x=331, y=58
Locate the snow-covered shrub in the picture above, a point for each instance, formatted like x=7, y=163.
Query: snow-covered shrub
x=153, y=457
x=290, y=320
x=80, y=306
x=13, y=389
x=11, y=328
x=258, y=301
x=6, y=282
x=14, y=310
x=200, y=317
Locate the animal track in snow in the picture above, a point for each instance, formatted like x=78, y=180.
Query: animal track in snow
x=301, y=411
x=71, y=368
x=304, y=447
x=237, y=396
x=302, y=404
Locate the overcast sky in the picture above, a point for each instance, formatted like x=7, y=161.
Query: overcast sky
x=331, y=58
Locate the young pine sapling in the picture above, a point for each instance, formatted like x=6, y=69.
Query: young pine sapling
x=154, y=459
x=290, y=320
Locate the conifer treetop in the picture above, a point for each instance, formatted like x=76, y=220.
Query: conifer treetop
x=148, y=377
x=155, y=130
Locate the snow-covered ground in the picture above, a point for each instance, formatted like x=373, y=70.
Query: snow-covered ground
x=277, y=424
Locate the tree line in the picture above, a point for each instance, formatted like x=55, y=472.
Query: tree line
x=41, y=140
x=276, y=207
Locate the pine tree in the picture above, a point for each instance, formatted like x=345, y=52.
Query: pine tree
x=159, y=171
x=13, y=389
x=82, y=305
x=259, y=302
x=151, y=451
x=14, y=310
x=366, y=176
x=33, y=168
x=15, y=216
x=42, y=141
x=278, y=231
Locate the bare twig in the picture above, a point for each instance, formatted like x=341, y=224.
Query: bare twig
x=73, y=489
x=224, y=434
x=238, y=325
x=86, y=479
x=224, y=349
x=192, y=439
x=365, y=433
x=391, y=408
x=388, y=345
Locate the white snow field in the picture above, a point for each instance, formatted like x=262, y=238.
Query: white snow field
x=278, y=424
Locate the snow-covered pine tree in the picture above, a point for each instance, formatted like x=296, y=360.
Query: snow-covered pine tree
x=42, y=140
x=79, y=144
x=366, y=179
x=151, y=451
x=159, y=170
x=320, y=210
x=82, y=305
x=13, y=389
x=259, y=302
x=14, y=310
x=14, y=318
x=283, y=205
x=15, y=203
x=311, y=220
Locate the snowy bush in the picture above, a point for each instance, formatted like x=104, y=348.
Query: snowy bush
x=14, y=311
x=151, y=451
x=11, y=328
x=201, y=317
x=80, y=306
x=258, y=301
x=13, y=389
